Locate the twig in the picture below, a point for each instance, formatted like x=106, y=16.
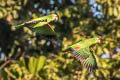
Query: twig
x=5, y=64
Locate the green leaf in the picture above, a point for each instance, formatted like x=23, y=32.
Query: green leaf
x=115, y=11
x=67, y=13
x=110, y=11
x=32, y=65
x=41, y=62
x=22, y=62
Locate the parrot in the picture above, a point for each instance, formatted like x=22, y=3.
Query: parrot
x=39, y=24
x=81, y=52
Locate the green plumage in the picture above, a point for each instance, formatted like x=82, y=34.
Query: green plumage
x=44, y=30
x=41, y=25
x=82, y=53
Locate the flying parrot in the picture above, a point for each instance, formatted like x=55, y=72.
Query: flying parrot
x=39, y=24
x=82, y=53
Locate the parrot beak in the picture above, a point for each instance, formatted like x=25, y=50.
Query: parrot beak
x=98, y=40
x=55, y=17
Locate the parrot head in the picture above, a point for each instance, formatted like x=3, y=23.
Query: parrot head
x=93, y=41
x=97, y=40
x=55, y=17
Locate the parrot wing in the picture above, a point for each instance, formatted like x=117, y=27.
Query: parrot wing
x=46, y=30
x=85, y=57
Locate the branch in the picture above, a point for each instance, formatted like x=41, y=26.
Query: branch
x=5, y=64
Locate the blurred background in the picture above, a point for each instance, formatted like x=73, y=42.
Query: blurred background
x=25, y=55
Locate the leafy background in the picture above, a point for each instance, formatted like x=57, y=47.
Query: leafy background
x=25, y=55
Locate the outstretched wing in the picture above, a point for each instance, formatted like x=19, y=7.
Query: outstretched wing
x=85, y=57
x=90, y=63
x=46, y=30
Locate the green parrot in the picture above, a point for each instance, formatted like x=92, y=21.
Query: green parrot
x=82, y=53
x=39, y=24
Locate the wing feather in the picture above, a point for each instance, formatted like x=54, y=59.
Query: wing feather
x=86, y=58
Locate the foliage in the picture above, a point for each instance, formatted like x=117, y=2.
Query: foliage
x=28, y=55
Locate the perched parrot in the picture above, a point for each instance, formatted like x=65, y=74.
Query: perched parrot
x=39, y=24
x=82, y=53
